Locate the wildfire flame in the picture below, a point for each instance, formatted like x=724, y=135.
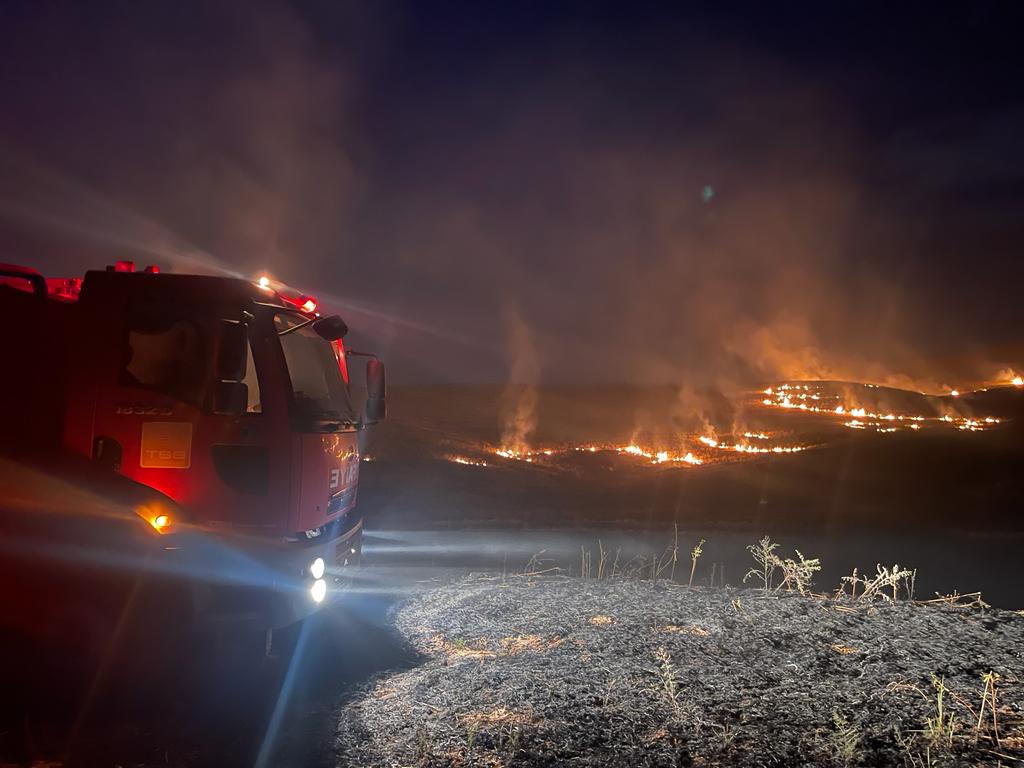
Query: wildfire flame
x=466, y=461
x=654, y=456
x=659, y=457
x=796, y=397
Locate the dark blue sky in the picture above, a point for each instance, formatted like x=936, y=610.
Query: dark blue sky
x=605, y=190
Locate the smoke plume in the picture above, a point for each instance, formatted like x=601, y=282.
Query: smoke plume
x=665, y=207
x=519, y=399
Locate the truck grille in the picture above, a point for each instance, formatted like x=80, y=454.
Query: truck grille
x=341, y=500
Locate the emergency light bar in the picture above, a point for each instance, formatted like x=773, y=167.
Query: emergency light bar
x=302, y=302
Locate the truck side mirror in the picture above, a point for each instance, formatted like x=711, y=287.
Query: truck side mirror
x=233, y=351
x=376, y=391
x=230, y=398
x=330, y=328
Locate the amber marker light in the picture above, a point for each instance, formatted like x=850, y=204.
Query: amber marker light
x=160, y=521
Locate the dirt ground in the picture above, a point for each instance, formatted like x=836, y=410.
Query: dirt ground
x=546, y=671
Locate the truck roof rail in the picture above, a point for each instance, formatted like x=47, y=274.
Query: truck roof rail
x=29, y=275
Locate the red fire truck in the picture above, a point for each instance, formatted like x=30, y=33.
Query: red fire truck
x=179, y=428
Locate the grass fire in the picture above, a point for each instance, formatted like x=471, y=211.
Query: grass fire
x=496, y=385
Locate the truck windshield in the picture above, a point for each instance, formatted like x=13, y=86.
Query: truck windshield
x=319, y=391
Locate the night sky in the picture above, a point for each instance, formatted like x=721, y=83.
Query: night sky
x=576, y=192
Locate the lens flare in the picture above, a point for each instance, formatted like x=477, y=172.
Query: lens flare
x=318, y=591
x=317, y=568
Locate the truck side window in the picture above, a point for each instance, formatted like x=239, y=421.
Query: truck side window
x=253, y=383
x=167, y=352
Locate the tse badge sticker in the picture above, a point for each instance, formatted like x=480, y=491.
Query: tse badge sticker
x=166, y=445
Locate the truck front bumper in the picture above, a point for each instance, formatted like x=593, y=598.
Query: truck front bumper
x=271, y=584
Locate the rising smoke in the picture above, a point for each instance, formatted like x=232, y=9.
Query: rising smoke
x=707, y=217
x=519, y=398
x=231, y=155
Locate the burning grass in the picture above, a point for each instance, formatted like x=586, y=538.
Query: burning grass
x=627, y=671
x=860, y=407
x=700, y=450
x=835, y=408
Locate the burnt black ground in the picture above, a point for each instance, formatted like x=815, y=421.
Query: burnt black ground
x=558, y=671
x=216, y=702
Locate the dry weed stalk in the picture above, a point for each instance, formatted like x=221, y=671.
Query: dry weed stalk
x=535, y=566
x=988, y=697
x=885, y=580
x=694, y=556
x=764, y=555
x=955, y=599
x=844, y=741
x=675, y=551
x=941, y=727
x=668, y=678
x=796, y=574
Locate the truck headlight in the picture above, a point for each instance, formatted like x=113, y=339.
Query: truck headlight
x=318, y=590
x=317, y=569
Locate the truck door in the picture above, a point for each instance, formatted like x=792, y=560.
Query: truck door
x=157, y=418
x=150, y=379
x=249, y=439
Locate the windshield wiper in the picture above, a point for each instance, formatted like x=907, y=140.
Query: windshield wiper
x=333, y=425
x=333, y=419
x=286, y=331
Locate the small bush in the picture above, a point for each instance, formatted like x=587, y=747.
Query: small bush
x=796, y=574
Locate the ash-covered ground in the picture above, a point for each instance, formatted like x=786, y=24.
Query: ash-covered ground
x=539, y=671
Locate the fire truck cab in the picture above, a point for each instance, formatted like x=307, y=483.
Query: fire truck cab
x=226, y=400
